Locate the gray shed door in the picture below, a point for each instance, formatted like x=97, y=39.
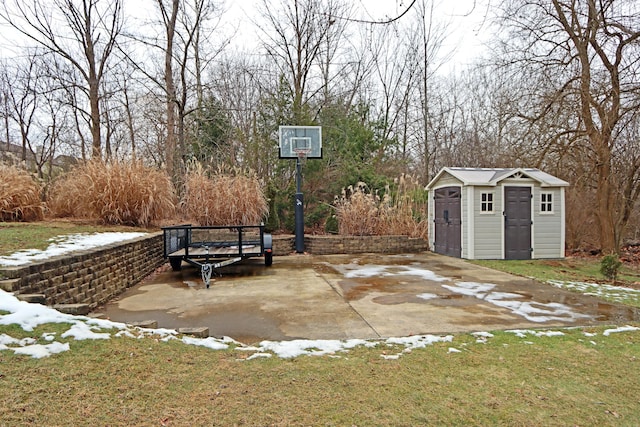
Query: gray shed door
x=448, y=221
x=517, y=223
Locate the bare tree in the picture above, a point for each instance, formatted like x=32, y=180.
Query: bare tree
x=183, y=27
x=5, y=106
x=86, y=40
x=294, y=36
x=24, y=100
x=590, y=51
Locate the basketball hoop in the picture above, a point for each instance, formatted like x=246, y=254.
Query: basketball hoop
x=300, y=143
x=302, y=153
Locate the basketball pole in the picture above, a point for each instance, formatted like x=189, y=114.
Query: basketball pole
x=299, y=208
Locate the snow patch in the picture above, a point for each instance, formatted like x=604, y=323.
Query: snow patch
x=427, y=296
x=609, y=292
x=533, y=311
x=351, y=271
x=620, y=329
x=66, y=244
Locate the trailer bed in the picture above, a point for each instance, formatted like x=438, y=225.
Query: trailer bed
x=199, y=251
x=211, y=247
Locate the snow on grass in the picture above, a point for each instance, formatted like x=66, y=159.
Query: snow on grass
x=620, y=329
x=606, y=291
x=65, y=244
x=522, y=333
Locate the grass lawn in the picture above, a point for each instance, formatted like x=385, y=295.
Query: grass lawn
x=577, y=274
x=574, y=379
x=582, y=377
x=15, y=236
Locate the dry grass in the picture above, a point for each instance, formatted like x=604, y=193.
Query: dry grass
x=509, y=381
x=361, y=212
x=358, y=211
x=224, y=198
x=19, y=195
x=115, y=193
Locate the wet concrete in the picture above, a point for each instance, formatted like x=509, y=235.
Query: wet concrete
x=349, y=296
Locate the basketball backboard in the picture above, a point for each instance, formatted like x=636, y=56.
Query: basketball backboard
x=296, y=138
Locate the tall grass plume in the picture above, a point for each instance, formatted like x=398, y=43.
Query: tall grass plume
x=400, y=211
x=19, y=195
x=114, y=193
x=224, y=197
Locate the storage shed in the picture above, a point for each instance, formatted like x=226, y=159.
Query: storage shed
x=491, y=213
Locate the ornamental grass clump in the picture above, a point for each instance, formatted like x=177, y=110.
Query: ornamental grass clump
x=405, y=208
x=224, y=197
x=402, y=211
x=358, y=211
x=114, y=193
x=19, y=195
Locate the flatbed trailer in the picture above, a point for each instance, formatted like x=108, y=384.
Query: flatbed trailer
x=212, y=247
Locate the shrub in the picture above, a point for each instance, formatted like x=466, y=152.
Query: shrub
x=19, y=195
x=114, y=193
x=610, y=266
x=225, y=198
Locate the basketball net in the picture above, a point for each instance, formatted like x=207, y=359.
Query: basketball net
x=302, y=154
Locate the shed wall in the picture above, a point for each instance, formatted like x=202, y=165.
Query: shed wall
x=487, y=230
x=548, y=227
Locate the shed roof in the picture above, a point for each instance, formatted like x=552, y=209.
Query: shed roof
x=493, y=176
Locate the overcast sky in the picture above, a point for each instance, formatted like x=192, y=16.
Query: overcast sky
x=467, y=29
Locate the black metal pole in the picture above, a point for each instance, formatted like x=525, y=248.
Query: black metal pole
x=299, y=209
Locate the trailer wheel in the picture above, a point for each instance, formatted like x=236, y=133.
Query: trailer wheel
x=176, y=264
x=268, y=258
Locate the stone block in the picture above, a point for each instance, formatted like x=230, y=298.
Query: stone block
x=149, y=324
x=199, y=332
x=74, y=309
x=34, y=298
x=10, y=285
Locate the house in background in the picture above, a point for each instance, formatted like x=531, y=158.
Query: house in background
x=505, y=213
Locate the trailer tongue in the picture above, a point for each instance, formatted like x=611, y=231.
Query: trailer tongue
x=213, y=247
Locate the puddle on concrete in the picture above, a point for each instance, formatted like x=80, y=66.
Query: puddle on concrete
x=363, y=278
x=384, y=280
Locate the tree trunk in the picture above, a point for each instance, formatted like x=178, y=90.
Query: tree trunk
x=170, y=148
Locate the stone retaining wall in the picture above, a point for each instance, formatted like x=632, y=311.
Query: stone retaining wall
x=90, y=277
x=328, y=244
x=325, y=245
x=93, y=277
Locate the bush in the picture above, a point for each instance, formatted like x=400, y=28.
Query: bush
x=114, y=193
x=19, y=195
x=225, y=198
x=610, y=266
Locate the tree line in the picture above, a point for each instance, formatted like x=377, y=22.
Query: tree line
x=559, y=90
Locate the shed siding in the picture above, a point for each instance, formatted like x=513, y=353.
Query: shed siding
x=487, y=227
x=465, y=222
x=447, y=180
x=548, y=226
